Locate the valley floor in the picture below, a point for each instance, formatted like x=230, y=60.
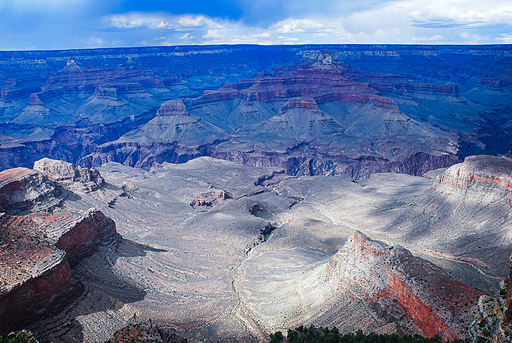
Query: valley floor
x=225, y=252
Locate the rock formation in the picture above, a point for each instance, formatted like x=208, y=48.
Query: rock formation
x=413, y=293
x=38, y=250
x=82, y=180
x=23, y=189
x=380, y=113
x=487, y=174
x=493, y=321
x=34, y=112
x=145, y=332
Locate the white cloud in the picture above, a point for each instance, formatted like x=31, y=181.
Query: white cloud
x=160, y=21
x=505, y=38
x=187, y=36
x=473, y=38
x=212, y=34
x=399, y=21
x=291, y=25
x=456, y=13
x=428, y=39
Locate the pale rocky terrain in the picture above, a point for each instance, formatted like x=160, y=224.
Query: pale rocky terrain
x=218, y=251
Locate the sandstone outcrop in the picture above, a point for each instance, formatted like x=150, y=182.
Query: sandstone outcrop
x=413, y=293
x=37, y=251
x=78, y=179
x=23, y=189
x=493, y=321
x=490, y=175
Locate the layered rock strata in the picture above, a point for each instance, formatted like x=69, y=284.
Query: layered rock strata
x=37, y=251
x=23, y=189
x=78, y=179
x=487, y=174
x=401, y=288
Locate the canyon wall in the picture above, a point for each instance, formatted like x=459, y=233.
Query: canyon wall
x=385, y=107
x=413, y=293
x=39, y=248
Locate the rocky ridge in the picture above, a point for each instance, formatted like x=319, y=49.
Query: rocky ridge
x=308, y=119
x=23, y=189
x=222, y=251
x=81, y=180
x=493, y=321
x=398, y=109
x=40, y=248
x=488, y=174
x=413, y=293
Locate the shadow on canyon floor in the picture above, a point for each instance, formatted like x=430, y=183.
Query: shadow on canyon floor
x=101, y=306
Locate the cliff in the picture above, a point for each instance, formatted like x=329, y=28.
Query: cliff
x=37, y=251
x=391, y=105
x=23, y=189
x=478, y=173
x=493, y=321
x=83, y=180
x=401, y=288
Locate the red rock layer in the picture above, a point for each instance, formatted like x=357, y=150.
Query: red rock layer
x=22, y=188
x=415, y=294
x=479, y=172
x=34, y=100
x=300, y=83
x=36, y=250
x=35, y=277
x=82, y=237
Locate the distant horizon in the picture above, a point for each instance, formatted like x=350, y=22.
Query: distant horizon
x=261, y=45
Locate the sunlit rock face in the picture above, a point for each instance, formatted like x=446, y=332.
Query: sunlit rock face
x=214, y=250
x=40, y=247
x=413, y=293
x=78, y=179
x=487, y=174
x=22, y=189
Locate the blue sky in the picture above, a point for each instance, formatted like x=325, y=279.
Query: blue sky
x=69, y=24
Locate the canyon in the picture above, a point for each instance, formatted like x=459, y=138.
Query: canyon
x=212, y=250
x=221, y=193
x=312, y=110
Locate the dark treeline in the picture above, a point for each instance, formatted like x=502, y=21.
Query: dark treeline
x=312, y=334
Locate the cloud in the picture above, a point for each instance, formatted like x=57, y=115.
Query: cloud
x=160, y=21
x=58, y=24
x=473, y=38
x=505, y=38
x=428, y=39
x=291, y=25
x=187, y=36
x=212, y=34
x=465, y=14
